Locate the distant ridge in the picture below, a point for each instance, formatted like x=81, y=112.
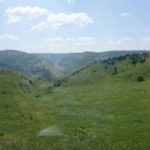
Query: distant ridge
x=54, y=65
x=71, y=62
x=29, y=64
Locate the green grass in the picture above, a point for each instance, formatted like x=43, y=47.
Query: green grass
x=21, y=119
x=93, y=109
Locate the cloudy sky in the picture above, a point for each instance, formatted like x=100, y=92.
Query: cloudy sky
x=74, y=25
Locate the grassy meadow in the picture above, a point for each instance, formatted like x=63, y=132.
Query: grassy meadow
x=100, y=107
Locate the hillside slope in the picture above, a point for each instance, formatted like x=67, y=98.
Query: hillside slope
x=104, y=106
x=101, y=108
x=53, y=66
x=29, y=64
x=72, y=62
x=21, y=117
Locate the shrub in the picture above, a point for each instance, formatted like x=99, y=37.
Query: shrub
x=4, y=92
x=146, y=55
x=1, y=134
x=110, y=61
x=37, y=96
x=94, y=71
x=121, y=58
x=134, y=58
x=57, y=83
x=30, y=82
x=142, y=60
x=134, y=61
x=115, y=71
x=77, y=72
x=140, y=79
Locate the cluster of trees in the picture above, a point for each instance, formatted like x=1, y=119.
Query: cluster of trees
x=136, y=58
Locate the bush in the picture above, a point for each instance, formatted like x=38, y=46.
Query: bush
x=137, y=58
x=37, y=96
x=4, y=92
x=134, y=61
x=140, y=79
x=134, y=58
x=115, y=71
x=106, y=67
x=146, y=55
x=30, y=81
x=1, y=134
x=121, y=58
x=110, y=61
x=57, y=83
x=142, y=60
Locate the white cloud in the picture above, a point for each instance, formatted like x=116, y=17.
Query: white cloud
x=86, y=41
x=26, y=10
x=124, y=14
x=126, y=39
x=69, y=44
x=56, y=21
x=76, y=42
x=8, y=37
x=80, y=19
x=119, y=41
x=55, y=40
x=122, y=43
x=145, y=39
x=17, y=14
x=1, y=1
x=64, y=45
x=39, y=27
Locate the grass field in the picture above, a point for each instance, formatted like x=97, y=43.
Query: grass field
x=96, y=108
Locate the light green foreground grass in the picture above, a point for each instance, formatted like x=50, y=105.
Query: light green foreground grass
x=91, y=110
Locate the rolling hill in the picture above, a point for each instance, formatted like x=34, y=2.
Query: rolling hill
x=53, y=66
x=71, y=62
x=104, y=105
x=29, y=64
x=21, y=117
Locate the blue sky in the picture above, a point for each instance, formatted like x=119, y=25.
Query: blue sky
x=56, y=26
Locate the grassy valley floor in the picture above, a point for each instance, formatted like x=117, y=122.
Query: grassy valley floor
x=96, y=108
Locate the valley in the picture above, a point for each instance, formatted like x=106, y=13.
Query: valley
x=103, y=105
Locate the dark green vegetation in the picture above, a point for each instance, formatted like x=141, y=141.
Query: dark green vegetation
x=99, y=107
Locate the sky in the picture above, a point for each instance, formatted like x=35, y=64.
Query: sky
x=64, y=26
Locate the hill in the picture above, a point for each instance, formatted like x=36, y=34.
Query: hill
x=71, y=62
x=21, y=116
x=104, y=105
x=53, y=66
x=29, y=64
